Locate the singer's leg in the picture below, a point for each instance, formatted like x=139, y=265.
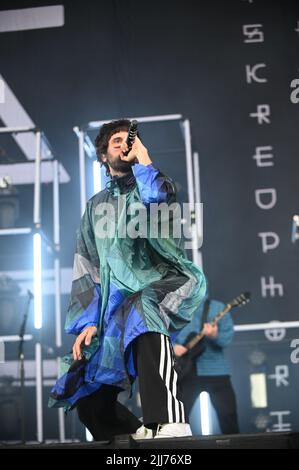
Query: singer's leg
x=104, y=416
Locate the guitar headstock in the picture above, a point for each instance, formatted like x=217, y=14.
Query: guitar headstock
x=241, y=300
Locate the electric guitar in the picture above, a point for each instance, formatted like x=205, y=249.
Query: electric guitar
x=196, y=346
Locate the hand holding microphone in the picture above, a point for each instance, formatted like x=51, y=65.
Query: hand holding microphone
x=132, y=133
x=133, y=150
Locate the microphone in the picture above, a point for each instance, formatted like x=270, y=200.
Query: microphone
x=131, y=135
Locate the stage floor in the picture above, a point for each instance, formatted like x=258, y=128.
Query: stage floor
x=287, y=440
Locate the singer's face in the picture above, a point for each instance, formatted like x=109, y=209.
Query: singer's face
x=113, y=154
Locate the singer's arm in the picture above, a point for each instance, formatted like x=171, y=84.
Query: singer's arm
x=138, y=152
x=154, y=187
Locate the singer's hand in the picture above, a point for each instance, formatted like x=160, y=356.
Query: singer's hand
x=179, y=350
x=85, y=337
x=138, y=151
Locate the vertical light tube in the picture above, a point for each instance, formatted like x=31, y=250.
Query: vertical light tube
x=57, y=282
x=82, y=172
x=37, y=182
x=2, y=351
x=39, y=391
x=198, y=209
x=97, y=177
x=56, y=236
x=196, y=177
x=191, y=190
x=61, y=425
x=56, y=225
x=199, y=261
x=187, y=138
x=61, y=422
x=198, y=206
x=37, y=280
x=205, y=414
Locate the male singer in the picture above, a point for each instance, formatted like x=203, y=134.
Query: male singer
x=129, y=293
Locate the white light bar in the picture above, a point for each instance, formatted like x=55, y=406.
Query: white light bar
x=37, y=280
x=15, y=231
x=32, y=18
x=13, y=338
x=39, y=391
x=24, y=173
x=205, y=414
x=16, y=130
x=267, y=326
x=97, y=177
x=167, y=117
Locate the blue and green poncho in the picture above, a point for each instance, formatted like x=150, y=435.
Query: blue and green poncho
x=124, y=285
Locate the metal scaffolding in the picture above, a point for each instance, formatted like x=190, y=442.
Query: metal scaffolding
x=54, y=244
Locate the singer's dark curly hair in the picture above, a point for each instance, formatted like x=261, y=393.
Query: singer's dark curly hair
x=102, y=139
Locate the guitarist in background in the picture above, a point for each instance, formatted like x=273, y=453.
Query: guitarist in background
x=211, y=371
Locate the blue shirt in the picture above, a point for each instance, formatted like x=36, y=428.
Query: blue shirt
x=212, y=361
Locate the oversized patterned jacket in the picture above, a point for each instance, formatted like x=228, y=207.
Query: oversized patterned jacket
x=124, y=285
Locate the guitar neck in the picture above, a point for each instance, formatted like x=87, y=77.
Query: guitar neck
x=221, y=314
x=215, y=320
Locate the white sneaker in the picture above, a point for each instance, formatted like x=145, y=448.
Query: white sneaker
x=143, y=433
x=173, y=430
